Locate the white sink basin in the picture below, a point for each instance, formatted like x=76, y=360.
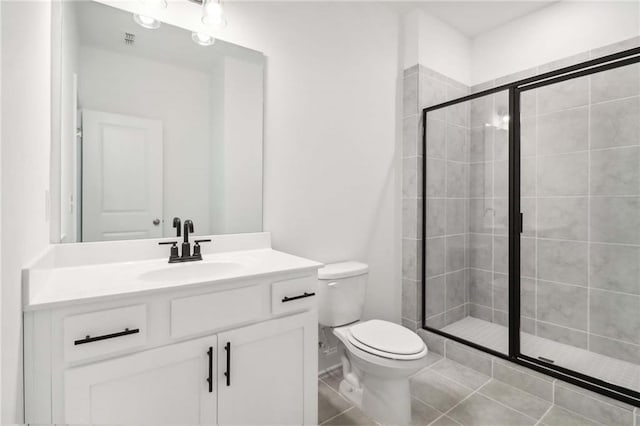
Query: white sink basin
x=192, y=271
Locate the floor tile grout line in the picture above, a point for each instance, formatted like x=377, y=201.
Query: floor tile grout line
x=460, y=383
x=539, y=422
x=579, y=415
x=506, y=364
x=459, y=402
x=338, y=392
x=428, y=405
x=583, y=394
x=337, y=415
x=505, y=405
x=450, y=418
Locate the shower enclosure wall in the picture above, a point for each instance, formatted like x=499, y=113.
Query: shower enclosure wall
x=530, y=201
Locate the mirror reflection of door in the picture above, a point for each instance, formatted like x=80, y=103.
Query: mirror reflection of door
x=121, y=177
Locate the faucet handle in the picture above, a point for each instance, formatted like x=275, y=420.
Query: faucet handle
x=196, y=246
x=174, y=248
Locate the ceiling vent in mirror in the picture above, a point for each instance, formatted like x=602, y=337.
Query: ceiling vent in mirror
x=129, y=39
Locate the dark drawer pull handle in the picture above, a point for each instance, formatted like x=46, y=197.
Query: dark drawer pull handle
x=302, y=296
x=227, y=373
x=210, y=378
x=90, y=339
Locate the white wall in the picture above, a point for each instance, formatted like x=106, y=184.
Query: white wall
x=555, y=32
x=26, y=132
x=179, y=97
x=1, y=94
x=441, y=47
x=331, y=167
x=243, y=125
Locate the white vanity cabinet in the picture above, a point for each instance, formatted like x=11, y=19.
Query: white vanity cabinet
x=233, y=353
x=165, y=385
x=263, y=372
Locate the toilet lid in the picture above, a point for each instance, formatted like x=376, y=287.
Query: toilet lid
x=387, y=337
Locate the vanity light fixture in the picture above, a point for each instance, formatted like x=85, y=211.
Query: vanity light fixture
x=213, y=14
x=202, y=39
x=146, y=21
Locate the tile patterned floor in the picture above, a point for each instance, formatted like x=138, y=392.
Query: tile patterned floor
x=446, y=393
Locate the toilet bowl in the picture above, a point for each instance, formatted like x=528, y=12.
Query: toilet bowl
x=376, y=367
x=378, y=357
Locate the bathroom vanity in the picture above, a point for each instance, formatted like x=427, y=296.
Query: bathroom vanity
x=114, y=334
x=152, y=123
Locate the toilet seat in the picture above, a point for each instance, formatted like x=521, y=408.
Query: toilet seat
x=387, y=340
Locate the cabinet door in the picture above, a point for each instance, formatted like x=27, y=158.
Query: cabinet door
x=161, y=386
x=267, y=372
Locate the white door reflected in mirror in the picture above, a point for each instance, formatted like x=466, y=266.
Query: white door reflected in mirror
x=121, y=177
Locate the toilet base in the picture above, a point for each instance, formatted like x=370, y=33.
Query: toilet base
x=353, y=394
x=386, y=401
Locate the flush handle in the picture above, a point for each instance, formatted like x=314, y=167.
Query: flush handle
x=156, y=221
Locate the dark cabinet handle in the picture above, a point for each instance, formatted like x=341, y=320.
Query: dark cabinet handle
x=227, y=374
x=90, y=339
x=302, y=296
x=210, y=378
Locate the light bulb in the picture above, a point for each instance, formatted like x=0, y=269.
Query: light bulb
x=146, y=21
x=213, y=14
x=202, y=39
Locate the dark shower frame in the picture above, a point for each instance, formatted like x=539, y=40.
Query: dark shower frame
x=608, y=62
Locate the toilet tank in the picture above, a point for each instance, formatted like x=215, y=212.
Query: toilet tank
x=341, y=293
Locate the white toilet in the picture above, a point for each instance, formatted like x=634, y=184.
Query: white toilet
x=377, y=356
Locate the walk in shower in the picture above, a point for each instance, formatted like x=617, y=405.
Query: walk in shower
x=531, y=212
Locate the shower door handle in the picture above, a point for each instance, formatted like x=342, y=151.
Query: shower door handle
x=521, y=222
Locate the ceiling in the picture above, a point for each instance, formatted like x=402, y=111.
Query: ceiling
x=472, y=18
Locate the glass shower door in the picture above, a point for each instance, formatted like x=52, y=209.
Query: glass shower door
x=466, y=221
x=580, y=242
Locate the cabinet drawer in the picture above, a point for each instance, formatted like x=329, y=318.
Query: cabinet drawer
x=293, y=295
x=206, y=312
x=104, y=332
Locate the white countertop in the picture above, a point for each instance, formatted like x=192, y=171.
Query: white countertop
x=60, y=286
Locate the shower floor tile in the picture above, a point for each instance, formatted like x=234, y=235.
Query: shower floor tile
x=495, y=336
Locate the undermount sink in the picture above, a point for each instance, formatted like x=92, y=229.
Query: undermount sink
x=192, y=271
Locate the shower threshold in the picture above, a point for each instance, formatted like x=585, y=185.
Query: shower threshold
x=495, y=336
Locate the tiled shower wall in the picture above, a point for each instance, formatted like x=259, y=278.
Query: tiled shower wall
x=581, y=204
x=447, y=189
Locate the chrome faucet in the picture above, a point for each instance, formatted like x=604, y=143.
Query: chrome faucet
x=186, y=245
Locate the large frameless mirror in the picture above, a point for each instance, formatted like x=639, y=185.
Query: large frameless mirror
x=152, y=124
